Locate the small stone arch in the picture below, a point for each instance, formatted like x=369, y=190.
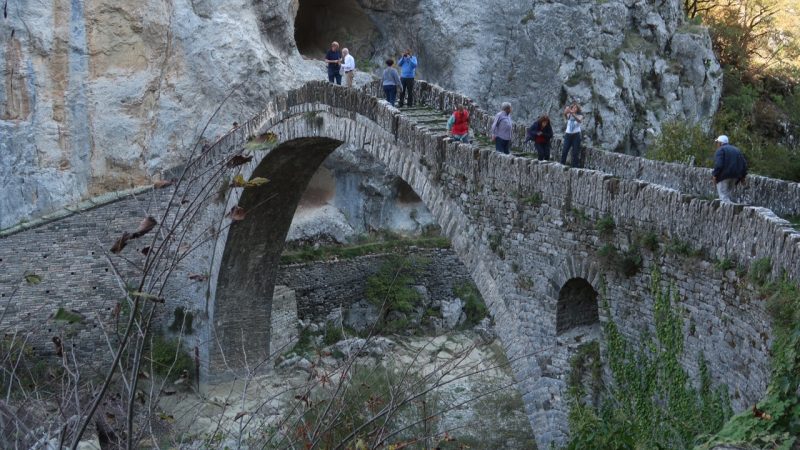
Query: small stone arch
x=573, y=286
x=577, y=305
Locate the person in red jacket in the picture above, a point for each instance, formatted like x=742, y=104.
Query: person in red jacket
x=458, y=124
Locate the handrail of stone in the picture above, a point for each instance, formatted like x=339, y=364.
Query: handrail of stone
x=782, y=197
x=82, y=206
x=753, y=232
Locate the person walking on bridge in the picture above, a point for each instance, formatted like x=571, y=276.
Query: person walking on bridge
x=501, y=129
x=572, y=135
x=408, y=67
x=334, y=58
x=541, y=133
x=458, y=124
x=391, y=79
x=349, y=67
x=730, y=168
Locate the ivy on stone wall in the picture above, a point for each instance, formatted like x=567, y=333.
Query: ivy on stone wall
x=774, y=422
x=650, y=401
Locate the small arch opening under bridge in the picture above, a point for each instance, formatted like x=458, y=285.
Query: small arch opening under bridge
x=577, y=305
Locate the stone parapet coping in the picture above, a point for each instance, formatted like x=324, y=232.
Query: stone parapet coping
x=82, y=206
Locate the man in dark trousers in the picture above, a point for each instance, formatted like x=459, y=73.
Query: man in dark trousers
x=334, y=59
x=408, y=70
x=730, y=168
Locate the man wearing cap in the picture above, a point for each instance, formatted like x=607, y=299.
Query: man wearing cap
x=730, y=168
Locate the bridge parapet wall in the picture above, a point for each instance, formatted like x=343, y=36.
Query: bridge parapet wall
x=783, y=197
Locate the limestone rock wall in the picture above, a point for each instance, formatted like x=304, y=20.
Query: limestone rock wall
x=632, y=64
x=324, y=285
x=98, y=95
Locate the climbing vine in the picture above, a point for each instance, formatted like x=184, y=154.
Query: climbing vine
x=774, y=422
x=650, y=401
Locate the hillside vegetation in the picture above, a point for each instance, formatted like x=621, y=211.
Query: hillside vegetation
x=758, y=45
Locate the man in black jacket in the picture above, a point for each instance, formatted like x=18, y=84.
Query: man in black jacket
x=730, y=168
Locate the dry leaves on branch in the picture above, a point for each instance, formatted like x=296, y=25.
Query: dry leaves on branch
x=32, y=278
x=237, y=213
x=238, y=160
x=146, y=296
x=145, y=226
x=761, y=414
x=240, y=182
x=160, y=184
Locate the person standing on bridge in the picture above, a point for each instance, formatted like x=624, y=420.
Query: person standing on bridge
x=349, y=67
x=730, y=168
x=501, y=129
x=541, y=133
x=334, y=58
x=458, y=124
x=572, y=135
x=408, y=67
x=391, y=79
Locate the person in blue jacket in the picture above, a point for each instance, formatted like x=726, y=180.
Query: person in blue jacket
x=408, y=70
x=334, y=60
x=730, y=168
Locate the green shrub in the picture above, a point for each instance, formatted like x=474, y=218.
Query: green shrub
x=649, y=241
x=605, y=225
x=390, y=289
x=534, y=199
x=333, y=334
x=760, y=270
x=630, y=262
x=67, y=316
x=725, y=264
x=682, y=142
x=683, y=248
x=168, y=359
x=474, y=307
x=607, y=252
x=495, y=242
x=183, y=320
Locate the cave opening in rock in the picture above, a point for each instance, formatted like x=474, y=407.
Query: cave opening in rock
x=319, y=22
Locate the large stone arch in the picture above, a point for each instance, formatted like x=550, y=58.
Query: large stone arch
x=246, y=278
x=240, y=304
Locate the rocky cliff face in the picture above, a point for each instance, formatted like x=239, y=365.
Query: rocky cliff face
x=98, y=95
x=631, y=64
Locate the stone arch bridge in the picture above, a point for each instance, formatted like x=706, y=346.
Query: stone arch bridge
x=536, y=237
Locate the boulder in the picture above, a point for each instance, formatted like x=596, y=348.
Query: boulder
x=361, y=316
x=452, y=313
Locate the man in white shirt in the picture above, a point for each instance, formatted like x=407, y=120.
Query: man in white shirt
x=349, y=67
